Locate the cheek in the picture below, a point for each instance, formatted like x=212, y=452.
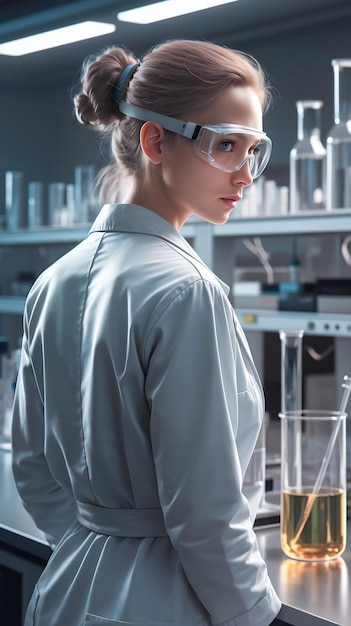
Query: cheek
x=184, y=170
x=178, y=162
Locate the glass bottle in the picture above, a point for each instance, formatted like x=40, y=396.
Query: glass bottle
x=339, y=139
x=307, y=159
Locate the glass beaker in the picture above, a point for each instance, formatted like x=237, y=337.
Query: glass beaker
x=57, y=203
x=339, y=139
x=35, y=204
x=16, y=212
x=86, y=204
x=313, y=484
x=308, y=160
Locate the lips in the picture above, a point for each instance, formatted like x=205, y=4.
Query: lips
x=230, y=201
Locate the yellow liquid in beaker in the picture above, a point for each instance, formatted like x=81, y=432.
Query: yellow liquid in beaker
x=324, y=533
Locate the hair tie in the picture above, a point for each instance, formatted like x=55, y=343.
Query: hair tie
x=123, y=82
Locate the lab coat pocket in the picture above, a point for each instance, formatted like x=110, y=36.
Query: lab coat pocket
x=96, y=620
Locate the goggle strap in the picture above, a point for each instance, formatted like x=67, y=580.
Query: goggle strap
x=123, y=82
x=190, y=130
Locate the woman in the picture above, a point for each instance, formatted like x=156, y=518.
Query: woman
x=137, y=404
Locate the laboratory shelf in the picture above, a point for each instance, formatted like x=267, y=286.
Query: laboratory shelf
x=310, y=222
x=51, y=236
x=322, y=324
x=43, y=236
x=11, y=305
x=203, y=236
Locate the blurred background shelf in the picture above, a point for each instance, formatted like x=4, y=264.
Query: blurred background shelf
x=11, y=305
x=43, y=236
x=310, y=222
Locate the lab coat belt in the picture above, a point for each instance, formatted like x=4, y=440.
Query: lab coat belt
x=122, y=522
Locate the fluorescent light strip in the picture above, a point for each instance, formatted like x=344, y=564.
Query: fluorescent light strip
x=169, y=8
x=55, y=38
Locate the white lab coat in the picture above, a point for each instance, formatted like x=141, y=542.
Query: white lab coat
x=137, y=409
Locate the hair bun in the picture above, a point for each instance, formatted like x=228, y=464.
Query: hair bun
x=84, y=110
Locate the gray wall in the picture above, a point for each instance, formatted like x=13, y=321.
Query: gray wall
x=41, y=136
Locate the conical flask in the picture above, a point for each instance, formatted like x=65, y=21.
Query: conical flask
x=308, y=160
x=339, y=139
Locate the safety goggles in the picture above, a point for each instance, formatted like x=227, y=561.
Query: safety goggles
x=223, y=146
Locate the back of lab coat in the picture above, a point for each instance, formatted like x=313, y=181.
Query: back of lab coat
x=137, y=392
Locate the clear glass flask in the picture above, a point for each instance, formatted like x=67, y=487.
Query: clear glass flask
x=308, y=160
x=339, y=139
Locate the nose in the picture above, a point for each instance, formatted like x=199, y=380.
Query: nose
x=242, y=173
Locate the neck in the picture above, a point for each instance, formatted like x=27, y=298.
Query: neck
x=154, y=198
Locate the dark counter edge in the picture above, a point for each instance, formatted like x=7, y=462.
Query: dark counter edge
x=20, y=542
x=295, y=617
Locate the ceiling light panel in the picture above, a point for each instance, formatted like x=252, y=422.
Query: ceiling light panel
x=165, y=10
x=55, y=38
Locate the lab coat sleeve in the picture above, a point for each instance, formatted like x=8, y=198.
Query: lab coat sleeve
x=52, y=509
x=205, y=397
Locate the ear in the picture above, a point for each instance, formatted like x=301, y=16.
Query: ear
x=152, y=138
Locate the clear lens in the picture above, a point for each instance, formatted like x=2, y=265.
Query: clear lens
x=227, y=148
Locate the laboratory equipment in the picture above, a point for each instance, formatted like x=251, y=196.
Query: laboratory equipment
x=86, y=204
x=313, y=484
x=308, y=159
x=291, y=369
x=36, y=216
x=313, y=466
x=16, y=212
x=57, y=203
x=339, y=139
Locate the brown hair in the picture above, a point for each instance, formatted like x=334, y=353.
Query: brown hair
x=174, y=78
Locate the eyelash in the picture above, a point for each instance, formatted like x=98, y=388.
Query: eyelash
x=253, y=150
x=256, y=149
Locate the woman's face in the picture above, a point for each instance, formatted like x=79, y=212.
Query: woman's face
x=189, y=184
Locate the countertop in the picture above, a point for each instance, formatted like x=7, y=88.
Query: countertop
x=312, y=594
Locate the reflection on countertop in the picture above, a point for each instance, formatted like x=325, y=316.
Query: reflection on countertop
x=311, y=592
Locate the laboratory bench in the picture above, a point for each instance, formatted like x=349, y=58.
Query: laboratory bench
x=312, y=593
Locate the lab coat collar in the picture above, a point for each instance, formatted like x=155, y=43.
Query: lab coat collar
x=133, y=218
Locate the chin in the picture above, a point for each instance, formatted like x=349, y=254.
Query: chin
x=220, y=219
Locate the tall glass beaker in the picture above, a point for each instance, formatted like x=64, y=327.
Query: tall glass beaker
x=308, y=159
x=313, y=489
x=339, y=139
